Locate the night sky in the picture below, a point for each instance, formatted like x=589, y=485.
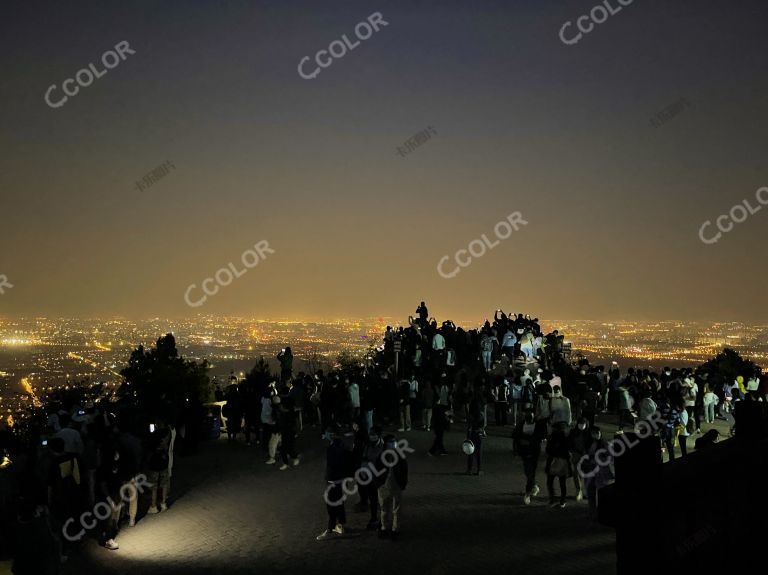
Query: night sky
x=522, y=122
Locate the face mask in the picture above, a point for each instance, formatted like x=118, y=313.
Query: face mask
x=582, y=426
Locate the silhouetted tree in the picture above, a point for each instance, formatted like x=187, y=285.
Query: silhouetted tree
x=159, y=378
x=726, y=366
x=259, y=376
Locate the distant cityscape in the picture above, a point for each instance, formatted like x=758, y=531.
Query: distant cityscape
x=39, y=355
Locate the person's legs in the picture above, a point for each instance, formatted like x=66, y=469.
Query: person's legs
x=576, y=483
x=529, y=468
x=407, y=416
x=110, y=525
x=439, y=441
x=397, y=498
x=386, y=505
x=336, y=513
x=592, y=500
x=373, y=503
x=478, y=454
x=670, y=447
x=274, y=441
x=133, y=502
x=287, y=452
x=682, y=440
x=563, y=488
x=551, y=487
x=427, y=417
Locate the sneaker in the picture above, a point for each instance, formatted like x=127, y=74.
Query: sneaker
x=271, y=461
x=111, y=544
x=131, y=523
x=535, y=491
x=527, y=499
x=283, y=467
x=430, y=454
x=339, y=529
x=562, y=505
x=153, y=510
x=553, y=504
x=163, y=507
x=295, y=462
x=407, y=429
x=579, y=496
x=401, y=428
x=327, y=534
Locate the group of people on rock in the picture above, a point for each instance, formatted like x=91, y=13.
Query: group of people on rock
x=428, y=376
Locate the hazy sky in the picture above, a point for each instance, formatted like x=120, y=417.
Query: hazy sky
x=523, y=122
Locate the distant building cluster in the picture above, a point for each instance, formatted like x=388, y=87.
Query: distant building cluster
x=39, y=355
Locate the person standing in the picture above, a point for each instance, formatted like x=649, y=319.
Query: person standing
x=338, y=460
x=287, y=425
x=501, y=400
x=428, y=398
x=394, y=479
x=579, y=441
x=558, y=464
x=369, y=495
x=486, y=348
x=439, y=427
x=527, y=438
x=269, y=424
x=476, y=433
x=404, y=404
x=354, y=399
x=559, y=408
x=158, y=465
x=285, y=357
x=710, y=401
x=595, y=474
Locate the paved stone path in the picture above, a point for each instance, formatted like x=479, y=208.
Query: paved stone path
x=233, y=514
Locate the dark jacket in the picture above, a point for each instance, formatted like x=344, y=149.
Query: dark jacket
x=529, y=445
x=338, y=461
x=400, y=470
